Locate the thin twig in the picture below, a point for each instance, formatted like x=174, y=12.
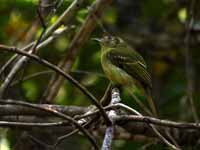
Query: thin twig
x=129, y=118
x=61, y=72
x=28, y=124
x=67, y=14
x=3, y=68
x=155, y=130
x=39, y=142
x=13, y=110
x=79, y=39
x=152, y=120
x=105, y=100
x=62, y=138
x=23, y=60
x=110, y=129
x=159, y=122
x=56, y=113
x=81, y=72
x=32, y=76
x=10, y=110
x=43, y=23
x=33, y=50
x=65, y=17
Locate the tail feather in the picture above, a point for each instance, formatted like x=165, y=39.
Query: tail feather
x=151, y=102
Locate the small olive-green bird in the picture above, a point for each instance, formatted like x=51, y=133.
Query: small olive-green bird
x=125, y=66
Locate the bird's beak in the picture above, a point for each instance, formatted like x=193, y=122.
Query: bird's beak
x=96, y=39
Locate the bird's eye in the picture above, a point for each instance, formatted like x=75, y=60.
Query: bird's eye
x=109, y=38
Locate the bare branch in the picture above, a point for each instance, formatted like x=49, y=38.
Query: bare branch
x=61, y=72
x=56, y=113
x=27, y=124
x=159, y=122
x=67, y=16
x=13, y=110
x=74, y=47
x=109, y=134
x=23, y=60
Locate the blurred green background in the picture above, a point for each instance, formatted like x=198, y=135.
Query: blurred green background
x=157, y=29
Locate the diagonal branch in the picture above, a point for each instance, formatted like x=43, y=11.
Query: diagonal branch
x=65, y=17
x=61, y=72
x=24, y=59
x=80, y=38
x=56, y=113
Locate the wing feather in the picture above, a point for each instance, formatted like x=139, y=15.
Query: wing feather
x=132, y=63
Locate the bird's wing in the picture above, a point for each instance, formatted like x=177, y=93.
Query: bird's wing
x=136, y=70
x=133, y=64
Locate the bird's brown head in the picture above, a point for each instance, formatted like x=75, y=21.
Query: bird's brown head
x=108, y=41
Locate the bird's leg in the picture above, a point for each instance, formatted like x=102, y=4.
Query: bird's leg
x=118, y=86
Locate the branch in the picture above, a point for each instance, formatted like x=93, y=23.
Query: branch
x=132, y=123
x=160, y=122
x=23, y=60
x=61, y=72
x=15, y=110
x=56, y=113
x=80, y=38
x=111, y=114
x=67, y=16
x=31, y=125
x=155, y=130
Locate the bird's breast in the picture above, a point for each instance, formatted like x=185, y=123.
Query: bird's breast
x=114, y=73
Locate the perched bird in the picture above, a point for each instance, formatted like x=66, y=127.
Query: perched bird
x=124, y=66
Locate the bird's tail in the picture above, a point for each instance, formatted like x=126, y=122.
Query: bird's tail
x=151, y=102
x=139, y=102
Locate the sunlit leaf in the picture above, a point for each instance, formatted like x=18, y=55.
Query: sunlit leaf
x=53, y=19
x=182, y=14
x=4, y=144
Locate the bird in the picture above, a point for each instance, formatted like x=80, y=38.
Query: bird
x=124, y=66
